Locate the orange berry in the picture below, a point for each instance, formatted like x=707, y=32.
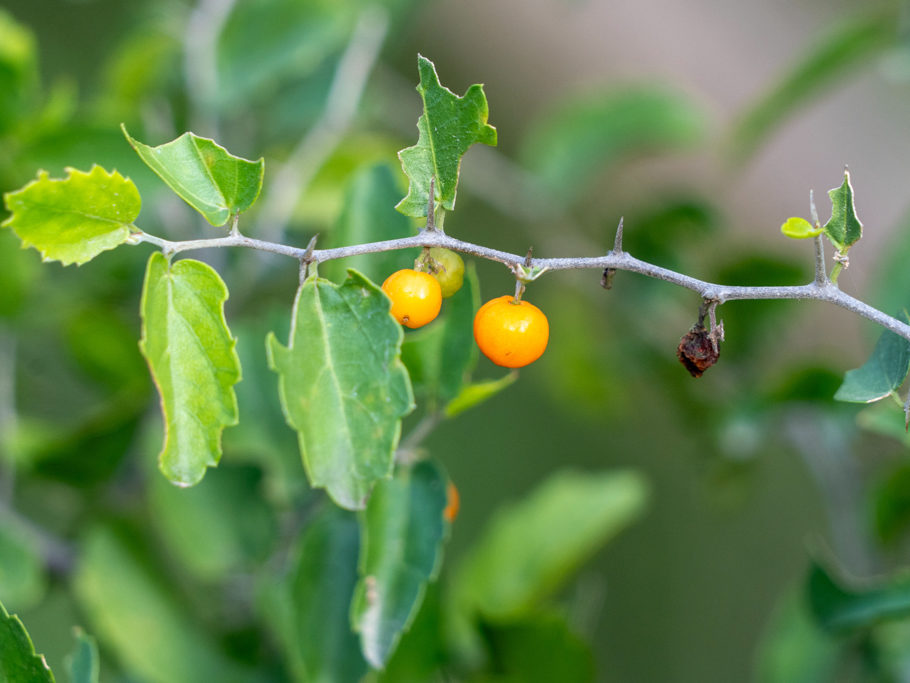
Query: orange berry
x=511, y=334
x=451, y=511
x=416, y=297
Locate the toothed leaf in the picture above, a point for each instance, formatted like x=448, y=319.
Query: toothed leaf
x=204, y=174
x=448, y=126
x=193, y=361
x=74, y=219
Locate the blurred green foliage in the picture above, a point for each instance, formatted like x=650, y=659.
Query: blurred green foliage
x=250, y=575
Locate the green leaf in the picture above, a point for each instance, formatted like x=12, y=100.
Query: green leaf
x=793, y=649
x=539, y=649
x=881, y=374
x=313, y=602
x=843, y=228
x=856, y=41
x=582, y=136
x=448, y=126
x=840, y=609
x=368, y=215
x=74, y=219
x=221, y=526
x=18, y=71
x=442, y=356
x=22, y=581
x=18, y=661
x=83, y=664
x=193, y=361
x=136, y=618
x=204, y=174
x=342, y=385
x=891, y=502
x=472, y=395
x=531, y=547
x=800, y=228
x=402, y=534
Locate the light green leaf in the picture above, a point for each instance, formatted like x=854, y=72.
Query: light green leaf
x=22, y=580
x=74, y=219
x=442, y=356
x=204, y=174
x=841, y=609
x=448, y=126
x=881, y=374
x=193, y=361
x=843, y=228
x=531, y=547
x=402, y=534
x=368, y=215
x=474, y=394
x=137, y=619
x=83, y=664
x=18, y=661
x=221, y=526
x=793, y=649
x=313, y=602
x=581, y=136
x=800, y=228
x=855, y=42
x=342, y=385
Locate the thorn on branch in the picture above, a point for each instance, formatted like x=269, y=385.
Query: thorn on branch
x=307, y=259
x=617, y=242
x=606, y=280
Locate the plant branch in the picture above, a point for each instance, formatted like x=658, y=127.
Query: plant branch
x=824, y=291
x=203, y=28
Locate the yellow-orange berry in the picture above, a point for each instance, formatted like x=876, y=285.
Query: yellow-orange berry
x=511, y=334
x=416, y=297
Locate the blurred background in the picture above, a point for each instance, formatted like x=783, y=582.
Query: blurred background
x=704, y=124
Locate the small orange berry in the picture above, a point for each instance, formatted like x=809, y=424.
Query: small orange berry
x=451, y=511
x=511, y=334
x=416, y=297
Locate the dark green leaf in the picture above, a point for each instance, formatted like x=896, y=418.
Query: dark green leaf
x=891, y=504
x=583, y=136
x=205, y=175
x=139, y=620
x=841, y=609
x=881, y=374
x=265, y=43
x=74, y=219
x=83, y=664
x=18, y=661
x=193, y=360
x=314, y=601
x=538, y=649
x=851, y=44
x=221, y=526
x=531, y=547
x=368, y=215
x=422, y=650
x=342, y=385
x=441, y=357
x=448, y=126
x=402, y=534
x=843, y=228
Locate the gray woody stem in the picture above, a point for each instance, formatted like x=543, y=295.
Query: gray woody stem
x=820, y=290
